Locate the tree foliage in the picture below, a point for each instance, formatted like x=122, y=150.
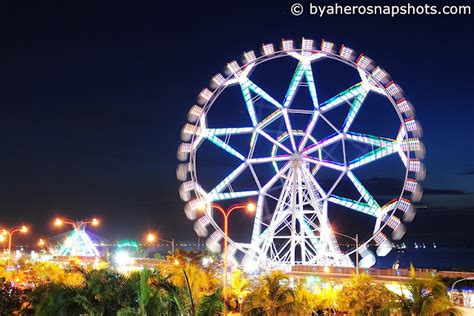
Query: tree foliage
x=272, y=295
x=361, y=296
x=11, y=298
x=212, y=304
x=425, y=297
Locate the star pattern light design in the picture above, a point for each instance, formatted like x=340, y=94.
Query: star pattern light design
x=301, y=145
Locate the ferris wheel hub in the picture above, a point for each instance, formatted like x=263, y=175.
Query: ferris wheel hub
x=297, y=156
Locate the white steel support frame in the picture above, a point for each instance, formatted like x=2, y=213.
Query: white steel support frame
x=299, y=231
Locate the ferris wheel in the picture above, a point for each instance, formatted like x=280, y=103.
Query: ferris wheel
x=282, y=164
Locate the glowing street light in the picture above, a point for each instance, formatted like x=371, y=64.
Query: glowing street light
x=250, y=207
x=41, y=243
x=8, y=234
x=58, y=222
x=151, y=237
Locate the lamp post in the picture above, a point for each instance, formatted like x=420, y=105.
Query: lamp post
x=77, y=225
x=226, y=213
x=9, y=233
x=152, y=237
x=356, y=240
x=457, y=281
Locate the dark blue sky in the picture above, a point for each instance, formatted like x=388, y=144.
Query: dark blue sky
x=94, y=95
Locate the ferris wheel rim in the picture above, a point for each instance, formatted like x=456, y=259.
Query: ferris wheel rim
x=280, y=54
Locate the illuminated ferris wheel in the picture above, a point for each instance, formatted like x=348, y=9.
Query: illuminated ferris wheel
x=302, y=161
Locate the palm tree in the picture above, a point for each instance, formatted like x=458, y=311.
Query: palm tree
x=272, y=296
x=212, y=304
x=361, y=296
x=105, y=292
x=192, y=276
x=425, y=297
x=176, y=300
x=305, y=300
x=240, y=286
x=55, y=299
x=148, y=300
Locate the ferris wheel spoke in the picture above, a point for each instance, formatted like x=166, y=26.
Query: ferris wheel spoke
x=275, y=178
x=355, y=107
x=274, y=141
x=373, y=155
x=355, y=205
x=231, y=195
x=248, y=85
x=269, y=119
x=249, y=103
x=303, y=69
x=325, y=163
x=308, y=131
x=311, y=86
x=370, y=139
x=289, y=129
x=331, y=139
x=223, y=145
x=342, y=97
x=295, y=82
x=260, y=126
x=260, y=160
x=229, y=131
x=255, y=176
x=228, y=180
x=364, y=193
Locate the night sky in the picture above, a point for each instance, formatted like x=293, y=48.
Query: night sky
x=94, y=95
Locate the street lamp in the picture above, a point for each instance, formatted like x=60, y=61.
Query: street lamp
x=464, y=279
x=356, y=239
x=9, y=233
x=150, y=238
x=41, y=243
x=250, y=207
x=58, y=222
